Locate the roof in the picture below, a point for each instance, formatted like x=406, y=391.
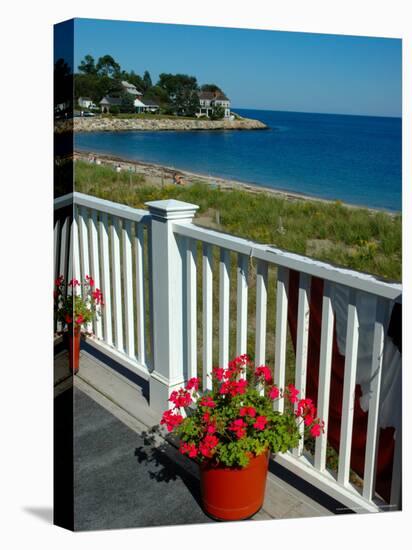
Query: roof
x=110, y=101
x=206, y=95
x=149, y=102
x=126, y=84
x=138, y=103
x=213, y=95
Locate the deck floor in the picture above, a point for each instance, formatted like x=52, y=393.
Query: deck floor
x=129, y=476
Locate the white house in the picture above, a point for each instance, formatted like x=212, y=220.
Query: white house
x=131, y=89
x=209, y=100
x=139, y=106
x=144, y=105
x=86, y=102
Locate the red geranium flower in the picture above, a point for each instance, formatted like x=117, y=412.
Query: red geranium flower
x=171, y=419
x=79, y=319
x=292, y=393
x=207, y=401
x=264, y=371
x=180, y=398
x=260, y=423
x=224, y=388
x=59, y=280
x=274, y=392
x=240, y=387
x=211, y=428
x=239, y=427
x=97, y=295
x=305, y=407
x=316, y=430
x=193, y=383
x=207, y=445
x=218, y=373
x=308, y=420
x=189, y=449
x=247, y=411
x=90, y=280
x=68, y=319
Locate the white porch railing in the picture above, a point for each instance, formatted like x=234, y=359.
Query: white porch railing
x=146, y=264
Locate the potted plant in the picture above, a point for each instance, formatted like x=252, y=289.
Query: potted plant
x=231, y=430
x=76, y=304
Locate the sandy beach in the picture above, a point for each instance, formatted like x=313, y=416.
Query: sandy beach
x=159, y=175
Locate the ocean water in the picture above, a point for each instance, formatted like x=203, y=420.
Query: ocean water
x=355, y=159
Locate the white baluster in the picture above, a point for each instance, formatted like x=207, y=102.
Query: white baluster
x=281, y=333
x=207, y=292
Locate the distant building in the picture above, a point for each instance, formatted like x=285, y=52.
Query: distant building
x=151, y=106
x=108, y=102
x=131, y=89
x=144, y=105
x=86, y=102
x=209, y=100
x=139, y=106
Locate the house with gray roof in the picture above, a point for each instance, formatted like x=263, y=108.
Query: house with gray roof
x=108, y=102
x=209, y=100
x=151, y=105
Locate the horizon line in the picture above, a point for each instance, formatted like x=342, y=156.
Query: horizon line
x=312, y=112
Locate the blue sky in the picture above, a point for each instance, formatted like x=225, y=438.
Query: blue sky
x=259, y=69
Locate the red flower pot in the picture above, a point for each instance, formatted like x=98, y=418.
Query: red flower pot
x=234, y=493
x=74, y=348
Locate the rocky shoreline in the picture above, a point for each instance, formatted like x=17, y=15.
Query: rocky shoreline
x=114, y=124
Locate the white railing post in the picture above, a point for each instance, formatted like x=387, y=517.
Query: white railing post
x=168, y=299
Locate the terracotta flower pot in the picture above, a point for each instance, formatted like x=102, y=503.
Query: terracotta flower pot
x=234, y=493
x=74, y=348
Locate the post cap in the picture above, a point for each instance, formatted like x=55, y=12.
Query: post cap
x=172, y=209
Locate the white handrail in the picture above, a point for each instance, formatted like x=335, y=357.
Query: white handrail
x=348, y=277
x=103, y=205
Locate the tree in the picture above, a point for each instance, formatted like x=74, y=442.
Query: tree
x=93, y=86
x=173, y=83
x=87, y=65
x=186, y=101
x=107, y=66
x=218, y=112
x=147, y=80
x=211, y=88
x=182, y=92
x=127, y=105
x=159, y=95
